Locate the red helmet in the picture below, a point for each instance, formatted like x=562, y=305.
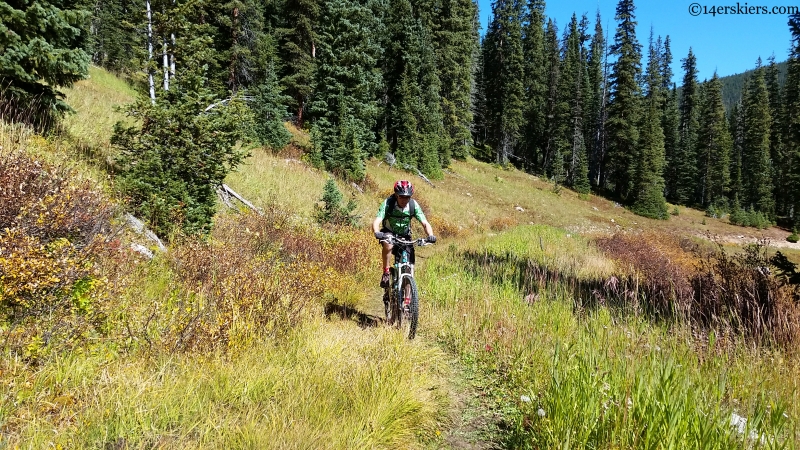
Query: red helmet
x=404, y=187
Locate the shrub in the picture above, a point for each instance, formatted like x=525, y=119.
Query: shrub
x=675, y=211
x=443, y=228
x=53, y=232
x=732, y=295
x=749, y=218
x=502, y=223
x=259, y=283
x=793, y=238
x=334, y=211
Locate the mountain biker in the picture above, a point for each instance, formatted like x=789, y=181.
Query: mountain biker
x=394, y=217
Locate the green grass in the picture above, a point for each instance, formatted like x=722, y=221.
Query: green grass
x=96, y=101
x=330, y=385
x=595, y=378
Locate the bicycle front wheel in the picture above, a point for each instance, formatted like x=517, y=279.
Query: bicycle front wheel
x=410, y=311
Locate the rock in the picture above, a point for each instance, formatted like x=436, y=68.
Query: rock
x=519, y=208
x=141, y=249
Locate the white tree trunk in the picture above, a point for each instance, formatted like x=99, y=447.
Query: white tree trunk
x=166, y=66
x=150, y=79
x=172, y=56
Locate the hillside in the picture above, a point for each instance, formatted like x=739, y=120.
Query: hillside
x=732, y=85
x=548, y=319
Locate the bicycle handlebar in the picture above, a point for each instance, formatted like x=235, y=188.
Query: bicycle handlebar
x=392, y=239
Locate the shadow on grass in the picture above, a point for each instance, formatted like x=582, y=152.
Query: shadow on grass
x=364, y=320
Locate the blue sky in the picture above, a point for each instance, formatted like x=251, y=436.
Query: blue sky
x=728, y=43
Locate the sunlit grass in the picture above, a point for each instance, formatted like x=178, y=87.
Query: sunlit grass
x=95, y=101
x=597, y=379
x=328, y=385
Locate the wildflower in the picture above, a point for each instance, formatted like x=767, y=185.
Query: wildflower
x=525, y=399
x=488, y=348
x=540, y=412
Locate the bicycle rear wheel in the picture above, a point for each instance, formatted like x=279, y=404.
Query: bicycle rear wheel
x=410, y=316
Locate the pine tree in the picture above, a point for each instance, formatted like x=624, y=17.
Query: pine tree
x=670, y=117
x=344, y=109
x=456, y=40
x=503, y=64
x=42, y=47
x=713, y=147
x=535, y=86
x=792, y=122
x=776, y=136
x=736, y=128
x=298, y=49
x=552, y=67
x=180, y=150
x=250, y=49
x=595, y=102
x=756, y=164
x=685, y=159
x=648, y=181
x=114, y=40
x=269, y=110
x=571, y=107
x=624, y=112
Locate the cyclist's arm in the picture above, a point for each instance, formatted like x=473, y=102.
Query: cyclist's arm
x=378, y=222
x=424, y=221
x=428, y=228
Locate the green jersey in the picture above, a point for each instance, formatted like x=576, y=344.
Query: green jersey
x=398, y=220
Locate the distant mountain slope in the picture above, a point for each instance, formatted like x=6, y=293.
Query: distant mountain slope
x=732, y=85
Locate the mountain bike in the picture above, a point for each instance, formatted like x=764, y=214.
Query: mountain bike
x=401, y=298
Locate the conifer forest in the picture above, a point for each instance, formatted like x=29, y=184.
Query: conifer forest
x=592, y=109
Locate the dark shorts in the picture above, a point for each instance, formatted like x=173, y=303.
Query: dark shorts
x=396, y=248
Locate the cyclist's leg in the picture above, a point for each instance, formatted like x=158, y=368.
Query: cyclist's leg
x=386, y=252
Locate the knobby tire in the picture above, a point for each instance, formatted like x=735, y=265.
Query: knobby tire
x=411, y=318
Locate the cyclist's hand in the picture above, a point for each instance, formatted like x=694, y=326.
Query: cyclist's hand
x=380, y=235
x=431, y=239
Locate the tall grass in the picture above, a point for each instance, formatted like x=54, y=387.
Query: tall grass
x=600, y=379
x=330, y=386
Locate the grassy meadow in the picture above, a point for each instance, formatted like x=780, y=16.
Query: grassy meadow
x=534, y=332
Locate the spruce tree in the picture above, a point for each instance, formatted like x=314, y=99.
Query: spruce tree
x=624, y=112
x=776, y=136
x=535, y=86
x=736, y=129
x=456, y=40
x=756, y=163
x=713, y=147
x=42, y=47
x=792, y=123
x=596, y=97
x=298, y=49
x=571, y=105
x=114, y=40
x=503, y=65
x=670, y=117
x=552, y=67
x=344, y=109
x=684, y=163
x=181, y=147
x=649, y=160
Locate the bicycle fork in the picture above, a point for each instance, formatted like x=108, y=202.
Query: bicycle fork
x=403, y=269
